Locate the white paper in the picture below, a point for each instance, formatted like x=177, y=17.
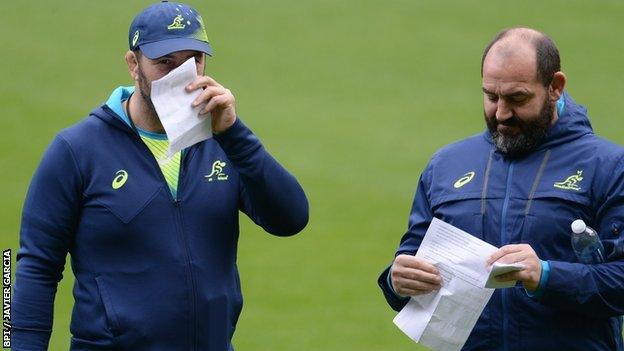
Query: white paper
x=443, y=320
x=502, y=268
x=182, y=122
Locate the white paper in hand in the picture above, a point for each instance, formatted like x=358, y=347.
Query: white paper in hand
x=502, y=268
x=183, y=124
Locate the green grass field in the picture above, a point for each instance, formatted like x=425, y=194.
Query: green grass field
x=351, y=96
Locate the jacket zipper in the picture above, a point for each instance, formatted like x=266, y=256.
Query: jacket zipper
x=177, y=203
x=503, y=239
x=180, y=229
x=190, y=276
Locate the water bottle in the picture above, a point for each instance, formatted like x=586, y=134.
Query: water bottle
x=586, y=243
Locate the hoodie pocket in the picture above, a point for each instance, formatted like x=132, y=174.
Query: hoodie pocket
x=111, y=315
x=146, y=309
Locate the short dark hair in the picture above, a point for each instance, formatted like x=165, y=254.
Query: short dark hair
x=546, y=52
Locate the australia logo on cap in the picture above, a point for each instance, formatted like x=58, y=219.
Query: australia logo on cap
x=177, y=23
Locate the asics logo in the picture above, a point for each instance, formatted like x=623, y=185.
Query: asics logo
x=465, y=179
x=120, y=179
x=135, y=38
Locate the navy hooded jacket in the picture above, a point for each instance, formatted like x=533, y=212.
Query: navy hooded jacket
x=573, y=174
x=152, y=272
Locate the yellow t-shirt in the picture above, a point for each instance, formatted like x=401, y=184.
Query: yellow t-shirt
x=169, y=167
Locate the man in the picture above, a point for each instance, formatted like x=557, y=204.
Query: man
x=518, y=186
x=153, y=244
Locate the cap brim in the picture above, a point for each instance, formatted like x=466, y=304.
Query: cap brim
x=164, y=47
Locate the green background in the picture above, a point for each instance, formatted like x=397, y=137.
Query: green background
x=351, y=96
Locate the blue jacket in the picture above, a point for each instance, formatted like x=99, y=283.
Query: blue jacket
x=573, y=174
x=152, y=272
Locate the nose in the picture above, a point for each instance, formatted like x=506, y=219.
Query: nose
x=503, y=112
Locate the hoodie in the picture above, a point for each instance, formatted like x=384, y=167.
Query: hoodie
x=153, y=271
x=533, y=200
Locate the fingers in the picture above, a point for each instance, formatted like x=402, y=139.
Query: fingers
x=508, y=276
x=213, y=97
x=220, y=101
x=410, y=287
x=414, y=276
x=525, y=275
x=520, y=253
x=409, y=261
x=202, y=82
x=405, y=291
x=504, y=251
x=207, y=94
x=417, y=275
x=410, y=292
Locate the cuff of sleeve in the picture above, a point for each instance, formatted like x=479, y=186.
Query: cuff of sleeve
x=29, y=339
x=395, y=301
x=539, y=292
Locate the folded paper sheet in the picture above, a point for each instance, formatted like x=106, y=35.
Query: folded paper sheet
x=443, y=320
x=182, y=122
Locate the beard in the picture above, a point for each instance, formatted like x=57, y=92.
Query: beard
x=532, y=131
x=145, y=90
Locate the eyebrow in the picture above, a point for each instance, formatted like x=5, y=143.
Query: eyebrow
x=512, y=94
x=170, y=56
x=197, y=54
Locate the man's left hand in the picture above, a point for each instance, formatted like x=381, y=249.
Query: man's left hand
x=218, y=101
x=519, y=253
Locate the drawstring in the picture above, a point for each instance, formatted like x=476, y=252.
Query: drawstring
x=536, y=182
x=485, y=182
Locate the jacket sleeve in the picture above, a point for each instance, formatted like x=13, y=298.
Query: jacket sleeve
x=595, y=290
x=270, y=196
x=419, y=220
x=49, y=218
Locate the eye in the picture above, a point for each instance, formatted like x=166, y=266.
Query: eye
x=518, y=98
x=165, y=62
x=492, y=97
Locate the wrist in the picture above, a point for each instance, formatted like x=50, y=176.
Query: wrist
x=543, y=280
x=223, y=126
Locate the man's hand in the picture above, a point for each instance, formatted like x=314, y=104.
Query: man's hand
x=414, y=276
x=219, y=102
x=520, y=253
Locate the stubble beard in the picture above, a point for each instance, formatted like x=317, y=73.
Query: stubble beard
x=532, y=132
x=145, y=90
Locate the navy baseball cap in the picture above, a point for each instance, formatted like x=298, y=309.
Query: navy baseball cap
x=167, y=27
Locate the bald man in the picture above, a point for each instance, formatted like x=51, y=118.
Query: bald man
x=518, y=186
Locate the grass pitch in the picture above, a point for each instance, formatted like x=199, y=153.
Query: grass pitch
x=351, y=96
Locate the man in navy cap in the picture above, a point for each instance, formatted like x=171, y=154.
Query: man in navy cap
x=152, y=244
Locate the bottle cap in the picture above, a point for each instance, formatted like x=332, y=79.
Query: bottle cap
x=578, y=226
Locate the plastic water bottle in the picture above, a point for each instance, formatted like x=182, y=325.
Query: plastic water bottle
x=586, y=243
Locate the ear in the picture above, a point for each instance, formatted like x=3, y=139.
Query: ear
x=133, y=64
x=555, y=90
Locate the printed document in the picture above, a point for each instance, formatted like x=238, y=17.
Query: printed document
x=442, y=320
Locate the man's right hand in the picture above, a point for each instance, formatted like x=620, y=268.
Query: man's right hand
x=413, y=276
